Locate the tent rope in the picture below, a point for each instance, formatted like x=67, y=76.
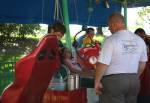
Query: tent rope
x=76, y=14
x=89, y=18
x=43, y=2
x=90, y=10
x=57, y=11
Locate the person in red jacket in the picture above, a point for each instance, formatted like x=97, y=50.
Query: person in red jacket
x=144, y=94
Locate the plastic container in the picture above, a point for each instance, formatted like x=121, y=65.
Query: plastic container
x=57, y=83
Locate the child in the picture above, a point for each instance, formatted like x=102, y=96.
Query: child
x=71, y=63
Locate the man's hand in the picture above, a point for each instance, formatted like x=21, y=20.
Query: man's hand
x=100, y=70
x=98, y=88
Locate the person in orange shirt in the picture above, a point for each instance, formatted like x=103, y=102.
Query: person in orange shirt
x=86, y=39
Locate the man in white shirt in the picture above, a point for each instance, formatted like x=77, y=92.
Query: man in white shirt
x=121, y=61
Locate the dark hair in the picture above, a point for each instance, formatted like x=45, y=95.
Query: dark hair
x=49, y=29
x=59, y=27
x=88, y=30
x=139, y=30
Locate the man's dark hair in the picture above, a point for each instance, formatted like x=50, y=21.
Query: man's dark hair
x=59, y=27
x=88, y=30
x=49, y=29
x=139, y=30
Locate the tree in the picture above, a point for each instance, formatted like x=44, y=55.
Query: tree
x=18, y=30
x=14, y=41
x=144, y=14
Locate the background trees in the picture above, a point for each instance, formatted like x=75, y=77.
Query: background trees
x=17, y=40
x=18, y=30
x=144, y=14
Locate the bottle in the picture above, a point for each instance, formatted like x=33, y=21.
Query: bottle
x=71, y=83
x=77, y=81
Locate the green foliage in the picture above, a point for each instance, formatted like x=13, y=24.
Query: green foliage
x=18, y=30
x=12, y=50
x=144, y=14
x=14, y=42
x=7, y=29
x=28, y=29
x=7, y=74
x=144, y=11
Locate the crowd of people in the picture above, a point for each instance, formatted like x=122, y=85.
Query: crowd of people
x=66, y=56
x=123, y=69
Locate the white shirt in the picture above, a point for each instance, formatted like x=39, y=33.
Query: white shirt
x=122, y=52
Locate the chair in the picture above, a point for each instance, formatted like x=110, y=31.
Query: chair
x=33, y=73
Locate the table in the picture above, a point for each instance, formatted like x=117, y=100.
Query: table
x=76, y=96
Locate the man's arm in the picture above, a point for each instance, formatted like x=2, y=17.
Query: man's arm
x=100, y=70
x=141, y=67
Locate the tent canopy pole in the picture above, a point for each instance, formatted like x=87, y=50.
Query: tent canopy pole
x=125, y=12
x=66, y=21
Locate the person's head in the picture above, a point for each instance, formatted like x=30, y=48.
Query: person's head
x=50, y=30
x=90, y=32
x=57, y=29
x=140, y=32
x=116, y=22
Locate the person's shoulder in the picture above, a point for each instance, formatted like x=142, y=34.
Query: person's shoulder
x=109, y=40
x=139, y=39
x=137, y=36
x=115, y=36
x=83, y=36
x=111, y=37
x=80, y=38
